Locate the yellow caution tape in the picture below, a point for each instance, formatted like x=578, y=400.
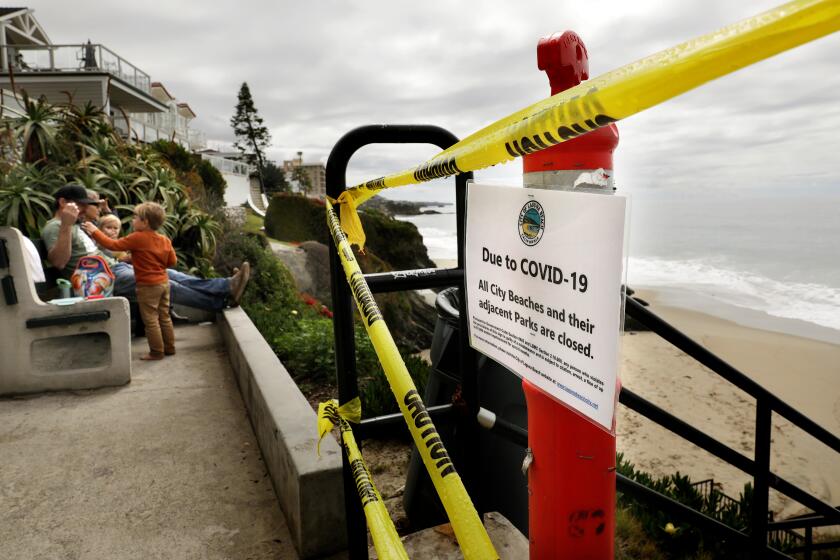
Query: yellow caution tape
x=386, y=541
x=350, y=411
x=471, y=535
x=620, y=93
x=350, y=222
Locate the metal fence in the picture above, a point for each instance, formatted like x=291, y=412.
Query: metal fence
x=763, y=536
x=86, y=57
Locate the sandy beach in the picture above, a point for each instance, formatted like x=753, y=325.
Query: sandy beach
x=803, y=372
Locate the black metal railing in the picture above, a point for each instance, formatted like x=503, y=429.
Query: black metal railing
x=763, y=534
x=345, y=354
x=759, y=466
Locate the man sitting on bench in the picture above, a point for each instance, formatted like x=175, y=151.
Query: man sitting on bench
x=66, y=243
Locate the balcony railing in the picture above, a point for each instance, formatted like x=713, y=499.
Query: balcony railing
x=145, y=128
x=229, y=166
x=25, y=59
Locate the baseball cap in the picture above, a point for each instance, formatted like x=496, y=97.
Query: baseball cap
x=76, y=193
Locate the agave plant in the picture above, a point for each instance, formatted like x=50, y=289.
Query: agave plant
x=87, y=122
x=99, y=149
x=116, y=180
x=201, y=230
x=89, y=178
x=161, y=187
x=171, y=228
x=44, y=146
x=26, y=200
x=36, y=128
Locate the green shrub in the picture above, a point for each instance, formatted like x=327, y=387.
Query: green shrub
x=301, y=337
x=205, y=182
x=631, y=540
x=270, y=281
x=293, y=217
x=214, y=183
x=396, y=242
x=688, y=541
x=376, y=394
x=305, y=346
x=178, y=157
x=308, y=352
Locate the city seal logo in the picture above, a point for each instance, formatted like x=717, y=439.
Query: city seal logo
x=531, y=223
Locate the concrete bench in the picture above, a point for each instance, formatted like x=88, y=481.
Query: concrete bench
x=309, y=488
x=46, y=347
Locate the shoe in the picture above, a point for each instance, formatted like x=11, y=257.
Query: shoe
x=238, y=282
x=177, y=318
x=152, y=356
x=169, y=352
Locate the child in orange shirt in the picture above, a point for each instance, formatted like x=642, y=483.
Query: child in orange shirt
x=151, y=255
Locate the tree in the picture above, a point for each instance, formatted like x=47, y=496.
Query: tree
x=299, y=174
x=274, y=178
x=252, y=137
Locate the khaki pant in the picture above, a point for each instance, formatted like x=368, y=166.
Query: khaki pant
x=153, y=301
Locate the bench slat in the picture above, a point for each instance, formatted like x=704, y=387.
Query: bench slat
x=59, y=320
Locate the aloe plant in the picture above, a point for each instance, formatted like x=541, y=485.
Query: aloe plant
x=26, y=200
x=43, y=147
x=36, y=128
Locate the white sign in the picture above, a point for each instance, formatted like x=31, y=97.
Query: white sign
x=543, y=276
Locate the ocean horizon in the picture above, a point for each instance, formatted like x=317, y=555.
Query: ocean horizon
x=764, y=260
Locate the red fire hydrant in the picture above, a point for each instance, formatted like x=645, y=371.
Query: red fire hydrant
x=571, y=479
x=584, y=163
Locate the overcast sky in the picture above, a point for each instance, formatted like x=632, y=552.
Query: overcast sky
x=320, y=68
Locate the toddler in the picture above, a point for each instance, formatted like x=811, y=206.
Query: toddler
x=151, y=254
x=111, y=225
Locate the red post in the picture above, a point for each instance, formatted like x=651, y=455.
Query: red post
x=571, y=480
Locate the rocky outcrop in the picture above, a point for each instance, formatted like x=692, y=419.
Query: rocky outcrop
x=309, y=265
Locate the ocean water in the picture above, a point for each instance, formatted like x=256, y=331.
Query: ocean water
x=765, y=259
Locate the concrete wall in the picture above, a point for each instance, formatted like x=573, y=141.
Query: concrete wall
x=309, y=488
x=238, y=189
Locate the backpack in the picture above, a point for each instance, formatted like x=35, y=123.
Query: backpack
x=92, y=277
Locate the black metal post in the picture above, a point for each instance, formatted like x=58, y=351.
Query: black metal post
x=809, y=541
x=467, y=426
x=345, y=361
x=345, y=357
x=761, y=478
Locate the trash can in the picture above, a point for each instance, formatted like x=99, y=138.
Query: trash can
x=504, y=488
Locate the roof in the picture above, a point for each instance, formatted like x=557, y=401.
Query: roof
x=25, y=28
x=161, y=86
x=186, y=108
x=8, y=11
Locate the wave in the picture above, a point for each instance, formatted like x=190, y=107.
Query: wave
x=810, y=302
x=438, y=231
x=711, y=277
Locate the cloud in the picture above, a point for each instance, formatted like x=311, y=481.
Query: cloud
x=318, y=69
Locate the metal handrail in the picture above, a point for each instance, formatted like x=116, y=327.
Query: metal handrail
x=345, y=358
x=759, y=467
x=728, y=372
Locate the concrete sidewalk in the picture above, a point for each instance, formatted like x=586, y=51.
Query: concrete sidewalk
x=165, y=467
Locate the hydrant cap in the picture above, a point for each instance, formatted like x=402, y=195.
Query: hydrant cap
x=564, y=58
